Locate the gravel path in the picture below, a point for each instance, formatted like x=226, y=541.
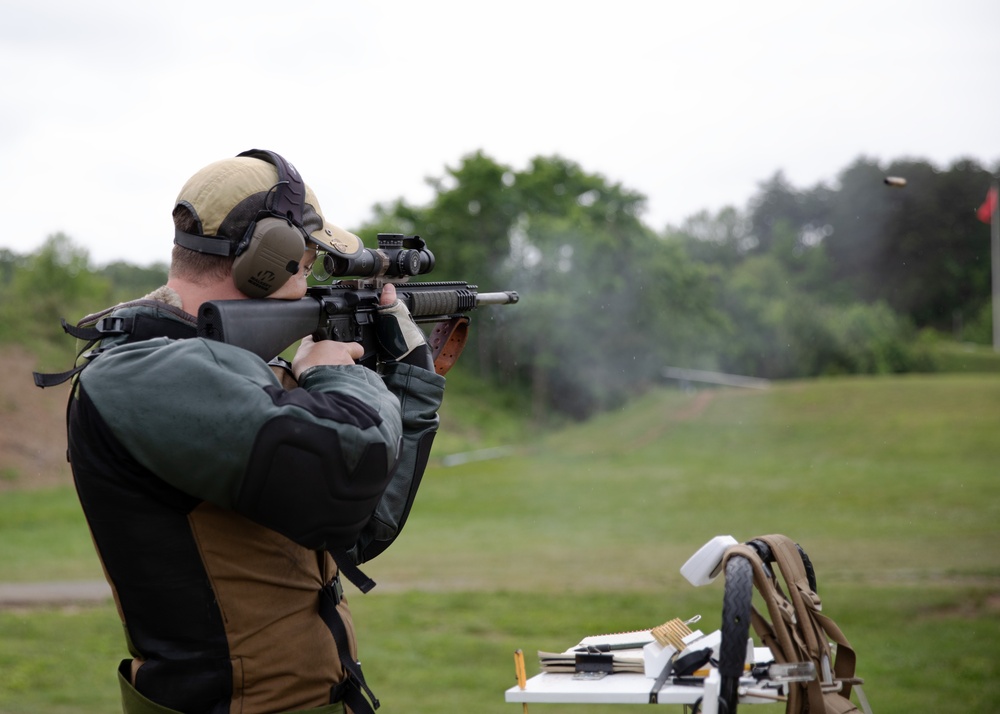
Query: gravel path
x=66, y=592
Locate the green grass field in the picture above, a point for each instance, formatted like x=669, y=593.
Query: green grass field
x=891, y=484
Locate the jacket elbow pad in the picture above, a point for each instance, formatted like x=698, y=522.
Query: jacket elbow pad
x=297, y=483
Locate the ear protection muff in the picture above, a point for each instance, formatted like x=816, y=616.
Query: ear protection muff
x=267, y=257
x=270, y=250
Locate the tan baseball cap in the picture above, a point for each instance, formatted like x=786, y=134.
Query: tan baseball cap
x=227, y=195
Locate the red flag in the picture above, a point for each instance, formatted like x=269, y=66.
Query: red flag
x=985, y=212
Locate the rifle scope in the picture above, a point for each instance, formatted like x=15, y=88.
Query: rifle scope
x=397, y=256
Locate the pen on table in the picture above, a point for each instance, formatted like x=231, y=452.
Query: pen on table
x=522, y=675
x=609, y=648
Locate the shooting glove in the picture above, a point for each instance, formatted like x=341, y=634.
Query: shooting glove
x=400, y=339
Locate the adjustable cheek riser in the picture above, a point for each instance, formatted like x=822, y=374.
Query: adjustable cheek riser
x=269, y=258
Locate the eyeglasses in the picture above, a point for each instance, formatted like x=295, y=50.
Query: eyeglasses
x=312, y=255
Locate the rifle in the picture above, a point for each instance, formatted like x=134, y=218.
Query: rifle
x=345, y=309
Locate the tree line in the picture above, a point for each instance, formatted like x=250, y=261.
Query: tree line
x=830, y=279
x=847, y=277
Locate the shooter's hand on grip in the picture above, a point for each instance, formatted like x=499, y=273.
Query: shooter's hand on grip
x=315, y=353
x=400, y=339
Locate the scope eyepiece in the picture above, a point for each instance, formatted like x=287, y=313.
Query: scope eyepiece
x=397, y=256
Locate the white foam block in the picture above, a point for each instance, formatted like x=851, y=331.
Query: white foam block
x=704, y=566
x=655, y=658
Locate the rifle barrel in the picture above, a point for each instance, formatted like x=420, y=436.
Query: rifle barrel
x=507, y=297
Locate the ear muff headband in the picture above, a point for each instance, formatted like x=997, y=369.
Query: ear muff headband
x=288, y=197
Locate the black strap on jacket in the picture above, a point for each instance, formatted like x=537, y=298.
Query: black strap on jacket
x=137, y=327
x=350, y=690
x=347, y=568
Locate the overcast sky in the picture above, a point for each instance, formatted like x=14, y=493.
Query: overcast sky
x=108, y=106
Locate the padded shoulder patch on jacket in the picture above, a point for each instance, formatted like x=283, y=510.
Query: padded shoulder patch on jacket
x=339, y=407
x=298, y=484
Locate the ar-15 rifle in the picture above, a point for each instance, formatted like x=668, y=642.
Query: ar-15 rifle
x=345, y=309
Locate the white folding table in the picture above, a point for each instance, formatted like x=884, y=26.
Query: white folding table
x=628, y=688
